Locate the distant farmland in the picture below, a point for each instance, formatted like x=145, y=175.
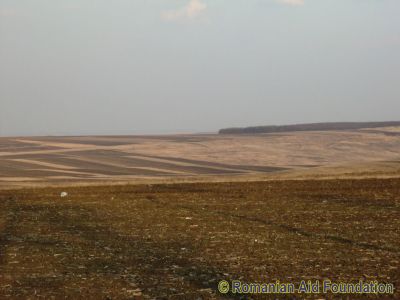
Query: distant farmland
x=43, y=160
x=308, y=127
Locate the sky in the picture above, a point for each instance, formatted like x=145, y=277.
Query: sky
x=76, y=67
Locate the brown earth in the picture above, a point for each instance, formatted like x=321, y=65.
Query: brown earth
x=178, y=241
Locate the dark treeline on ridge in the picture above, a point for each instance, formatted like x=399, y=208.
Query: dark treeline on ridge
x=308, y=127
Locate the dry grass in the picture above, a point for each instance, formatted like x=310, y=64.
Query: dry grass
x=179, y=240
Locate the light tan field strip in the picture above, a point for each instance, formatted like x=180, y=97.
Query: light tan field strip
x=162, y=170
x=69, y=172
x=58, y=151
x=44, y=164
x=57, y=144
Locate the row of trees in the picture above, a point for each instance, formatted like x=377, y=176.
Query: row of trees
x=308, y=127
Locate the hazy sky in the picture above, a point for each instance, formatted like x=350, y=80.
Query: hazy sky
x=162, y=66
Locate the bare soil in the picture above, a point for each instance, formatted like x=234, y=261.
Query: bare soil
x=177, y=241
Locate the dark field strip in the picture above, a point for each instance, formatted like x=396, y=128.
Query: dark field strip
x=21, y=169
x=125, y=160
x=177, y=241
x=265, y=169
x=24, y=147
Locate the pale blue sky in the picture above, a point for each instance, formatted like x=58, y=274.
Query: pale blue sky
x=163, y=66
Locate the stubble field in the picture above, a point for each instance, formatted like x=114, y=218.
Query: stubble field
x=177, y=241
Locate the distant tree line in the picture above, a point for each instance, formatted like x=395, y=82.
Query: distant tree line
x=308, y=127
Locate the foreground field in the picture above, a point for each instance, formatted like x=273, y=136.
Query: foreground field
x=178, y=241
